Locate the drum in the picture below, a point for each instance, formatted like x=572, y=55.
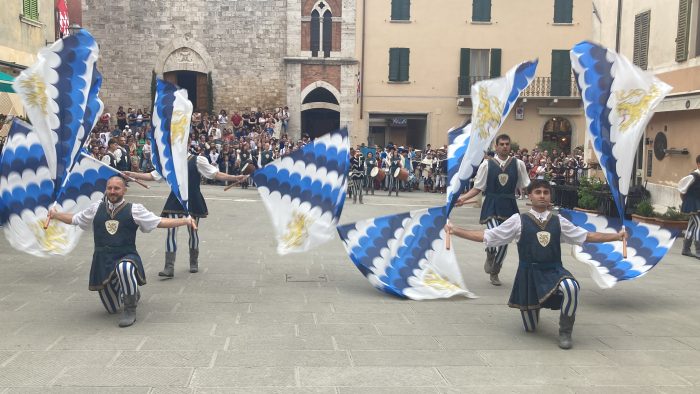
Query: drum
x=378, y=174
x=401, y=174
x=248, y=169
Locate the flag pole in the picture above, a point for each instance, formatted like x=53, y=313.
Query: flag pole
x=117, y=171
x=448, y=238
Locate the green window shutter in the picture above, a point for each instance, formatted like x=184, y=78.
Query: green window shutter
x=481, y=10
x=495, y=67
x=463, y=82
x=400, y=10
x=403, y=64
x=464, y=62
x=683, y=30
x=394, y=64
x=563, y=11
x=561, y=73
x=641, y=39
x=406, y=9
x=30, y=9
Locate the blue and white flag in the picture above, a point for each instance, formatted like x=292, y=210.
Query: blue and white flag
x=170, y=132
x=59, y=92
x=304, y=192
x=404, y=254
x=618, y=99
x=646, y=246
x=458, y=141
x=27, y=192
x=492, y=101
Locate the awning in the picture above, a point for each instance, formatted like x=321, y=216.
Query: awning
x=6, y=83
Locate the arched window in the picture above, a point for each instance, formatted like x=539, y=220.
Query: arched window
x=315, y=33
x=321, y=29
x=327, y=33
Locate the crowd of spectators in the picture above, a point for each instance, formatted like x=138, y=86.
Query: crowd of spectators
x=243, y=141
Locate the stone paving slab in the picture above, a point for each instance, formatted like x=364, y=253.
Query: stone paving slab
x=241, y=326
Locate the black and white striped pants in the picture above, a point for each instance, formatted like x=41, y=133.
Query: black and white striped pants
x=569, y=289
x=171, y=240
x=693, y=230
x=499, y=251
x=123, y=283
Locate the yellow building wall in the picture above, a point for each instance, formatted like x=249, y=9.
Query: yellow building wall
x=435, y=34
x=20, y=41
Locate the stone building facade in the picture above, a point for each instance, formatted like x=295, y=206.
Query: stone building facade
x=241, y=43
x=258, y=54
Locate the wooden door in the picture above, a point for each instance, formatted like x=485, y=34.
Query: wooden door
x=201, y=103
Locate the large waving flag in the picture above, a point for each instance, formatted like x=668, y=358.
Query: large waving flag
x=170, y=131
x=304, y=192
x=404, y=254
x=492, y=101
x=59, y=93
x=646, y=246
x=457, y=144
x=27, y=192
x=619, y=99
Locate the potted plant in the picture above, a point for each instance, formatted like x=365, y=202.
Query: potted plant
x=588, y=200
x=673, y=218
x=644, y=212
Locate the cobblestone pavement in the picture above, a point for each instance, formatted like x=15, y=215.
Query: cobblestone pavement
x=254, y=322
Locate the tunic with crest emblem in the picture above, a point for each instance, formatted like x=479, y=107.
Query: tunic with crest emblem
x=499, y=201
x=115, y=241
x=540, y=269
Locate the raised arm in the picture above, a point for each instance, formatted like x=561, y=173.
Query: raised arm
x=606, y=237
x=142, y=176
x=65, y=217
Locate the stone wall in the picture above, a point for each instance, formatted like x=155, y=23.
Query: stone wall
x=242, y=43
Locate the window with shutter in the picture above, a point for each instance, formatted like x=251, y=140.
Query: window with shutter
x=561, y=73
x=641, y=39
x=30, y=9
x=563, y=11
x=683, y=30
x=463, y=84
x=398, y=64
x=327, y=33
x=315, y=33
x=495, y=67
x=481, y=11
x=400, y=10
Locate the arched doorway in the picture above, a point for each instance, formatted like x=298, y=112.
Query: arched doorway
x=558, y=131
x=320, y=112
x=196, y=84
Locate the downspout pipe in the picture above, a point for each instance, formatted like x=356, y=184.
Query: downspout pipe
x=619, y=26
x=362, y=63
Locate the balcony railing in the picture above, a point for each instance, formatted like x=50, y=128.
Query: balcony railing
x=540, y=87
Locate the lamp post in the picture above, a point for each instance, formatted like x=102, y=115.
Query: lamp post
x=73, y=28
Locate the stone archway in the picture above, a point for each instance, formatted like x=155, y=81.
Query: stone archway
x=320, y=109
x=187, y=63
x=558, y=130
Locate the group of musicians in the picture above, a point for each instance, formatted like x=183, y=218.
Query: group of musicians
x=396, y=169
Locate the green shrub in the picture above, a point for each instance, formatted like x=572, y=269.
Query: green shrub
x=644, y=208
x=673, y=213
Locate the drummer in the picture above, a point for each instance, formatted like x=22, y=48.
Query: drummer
x=395, y=163
x=407, y=165
x=371, y=170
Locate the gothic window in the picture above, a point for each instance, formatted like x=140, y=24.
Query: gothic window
x=321, y=29
x=315, y=33
x=327, y=34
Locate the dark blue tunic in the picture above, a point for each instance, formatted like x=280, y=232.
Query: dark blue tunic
x=691, y=200
x=500, y=201
x=110, y=249
x=196, y=203
x=540, y=269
